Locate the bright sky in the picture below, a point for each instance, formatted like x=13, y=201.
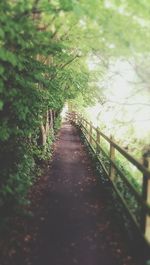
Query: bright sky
x=124, y=107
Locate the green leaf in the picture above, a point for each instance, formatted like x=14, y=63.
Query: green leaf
x=1, y=69
x=1, y=86
x=8, y=56
x=1, y=104
x=1, y=33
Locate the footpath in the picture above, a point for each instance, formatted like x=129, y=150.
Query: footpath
x=72, y=221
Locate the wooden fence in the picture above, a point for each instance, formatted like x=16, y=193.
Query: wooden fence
x=136, y=202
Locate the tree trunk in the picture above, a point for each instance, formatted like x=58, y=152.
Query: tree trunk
x=43, y=135
x=51, y=121
x=47, y=126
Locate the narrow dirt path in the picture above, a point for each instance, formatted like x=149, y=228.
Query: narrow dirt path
x=72, y=221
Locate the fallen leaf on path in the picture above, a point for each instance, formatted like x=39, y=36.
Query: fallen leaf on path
x=27, y=238
x=12, y=252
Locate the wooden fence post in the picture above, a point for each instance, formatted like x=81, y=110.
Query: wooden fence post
x=97, y=141
x=86, y=127
x=145, y=218
x=112, y=157
x=90, y=133
x=86, y=124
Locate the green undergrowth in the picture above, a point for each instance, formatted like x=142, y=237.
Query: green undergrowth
x=31, y=163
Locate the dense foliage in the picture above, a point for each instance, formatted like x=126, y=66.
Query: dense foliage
x=35, y=83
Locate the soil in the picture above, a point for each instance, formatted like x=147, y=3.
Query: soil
x=71, y=220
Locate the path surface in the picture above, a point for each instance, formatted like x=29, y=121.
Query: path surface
x=72, y=222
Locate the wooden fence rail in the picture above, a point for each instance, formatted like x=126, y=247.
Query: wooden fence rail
x=135, y=202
